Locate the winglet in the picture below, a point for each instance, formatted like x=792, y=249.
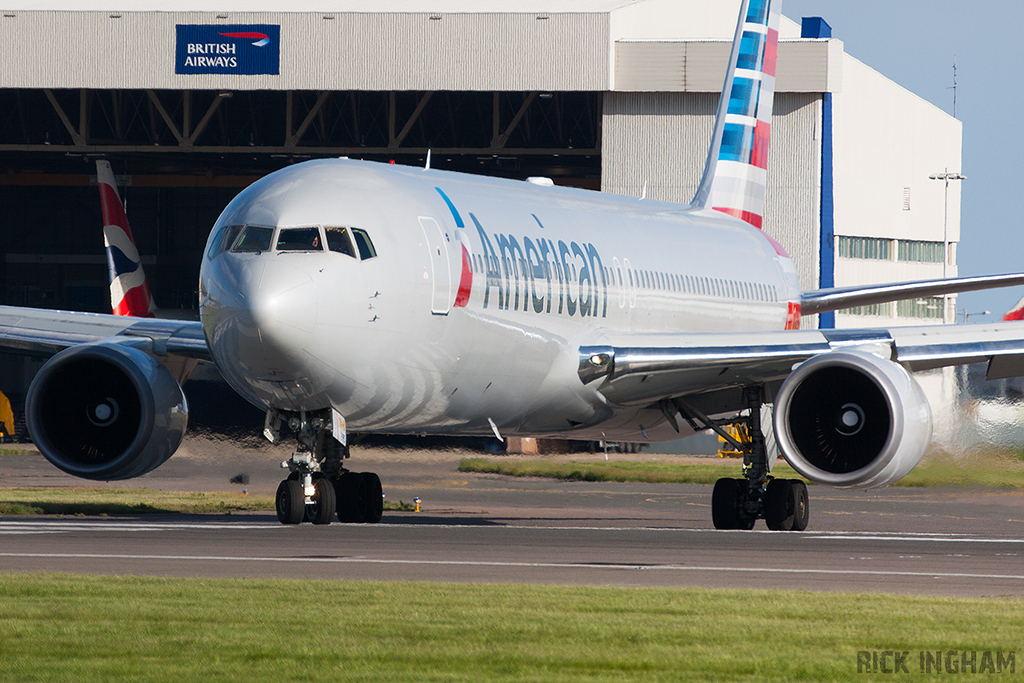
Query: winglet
x=129, y=290
x=736, y=168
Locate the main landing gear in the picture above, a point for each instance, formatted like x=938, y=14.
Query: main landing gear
x=739, y=503
x=318, y=486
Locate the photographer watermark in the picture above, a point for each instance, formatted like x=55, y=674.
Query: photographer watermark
x=936, y=661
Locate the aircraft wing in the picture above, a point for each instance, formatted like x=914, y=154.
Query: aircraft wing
x=644, y=369
x=44, y=332
x=836, y=298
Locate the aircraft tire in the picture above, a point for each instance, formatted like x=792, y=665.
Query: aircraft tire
x=725, y=504
x=324, y=502
x=778, y=505
x=351, y=497
x=801, y=507
x=290, y=503
x=374, y=498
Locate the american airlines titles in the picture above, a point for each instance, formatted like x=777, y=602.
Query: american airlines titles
x=220, y=49
x=543, y=276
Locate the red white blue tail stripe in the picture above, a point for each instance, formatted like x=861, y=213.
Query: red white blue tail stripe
x=129, y=291
x=737, y=175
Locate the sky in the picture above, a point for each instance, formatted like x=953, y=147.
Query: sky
x=914, y=43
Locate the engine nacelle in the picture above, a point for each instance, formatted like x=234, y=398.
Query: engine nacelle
x=851, y=419
x=106, y=411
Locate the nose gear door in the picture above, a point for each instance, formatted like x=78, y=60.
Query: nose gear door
x=440, y=272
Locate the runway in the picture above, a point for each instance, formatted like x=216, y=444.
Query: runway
x=484, y=528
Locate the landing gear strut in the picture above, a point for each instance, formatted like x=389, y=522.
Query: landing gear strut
x=739, y=503
x=319, y=486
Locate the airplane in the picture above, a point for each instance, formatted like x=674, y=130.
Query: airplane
x=339, y=294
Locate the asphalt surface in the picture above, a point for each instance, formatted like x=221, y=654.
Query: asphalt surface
x=486, y=528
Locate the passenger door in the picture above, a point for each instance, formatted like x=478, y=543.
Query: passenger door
x=440, y=266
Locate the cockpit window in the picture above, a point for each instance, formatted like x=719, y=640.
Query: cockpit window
x=225, y=236
x=338, y=240
x=253, y=238
x=299, y=239
x=364, y=244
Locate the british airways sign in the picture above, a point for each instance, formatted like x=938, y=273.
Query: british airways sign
x=244, y=49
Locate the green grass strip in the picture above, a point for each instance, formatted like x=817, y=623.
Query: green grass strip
x=98, y=501
x=989, y=471
x=611, y=470
x=87, y=628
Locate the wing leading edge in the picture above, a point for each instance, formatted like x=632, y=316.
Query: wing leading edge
x=47, y=332
x=836, y=298
x=644, y=369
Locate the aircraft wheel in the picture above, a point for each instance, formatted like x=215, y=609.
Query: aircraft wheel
x=291, y=504
x=321, y=511
x=351, y=497
x=778, y=505
x=725, y=504
x=801, y=508
x=374, y=497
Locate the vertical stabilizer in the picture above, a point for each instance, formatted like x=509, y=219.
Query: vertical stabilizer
x=736, y=169
x=129, y=290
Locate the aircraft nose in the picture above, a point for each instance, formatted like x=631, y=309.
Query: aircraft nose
x=284, y=308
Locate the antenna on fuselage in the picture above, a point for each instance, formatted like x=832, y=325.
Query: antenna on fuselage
x=426, y=167
x=643, y=193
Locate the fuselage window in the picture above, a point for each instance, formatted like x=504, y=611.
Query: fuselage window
x=338, y=240
x=225, y=236
x=253, y=238
x=364, y=244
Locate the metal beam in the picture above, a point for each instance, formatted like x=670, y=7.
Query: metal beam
x=397, y=140
x=499, y=141
x=201, y=126
x=166, y=117
x=304, y=151
x=293, y=139
x=79, y=140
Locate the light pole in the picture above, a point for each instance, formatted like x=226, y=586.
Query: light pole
x=967, y=316
x=946, y=176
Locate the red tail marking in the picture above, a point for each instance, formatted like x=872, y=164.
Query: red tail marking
x=747, y=216
x=466, y=282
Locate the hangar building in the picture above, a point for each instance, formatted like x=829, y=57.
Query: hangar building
x=191, y=105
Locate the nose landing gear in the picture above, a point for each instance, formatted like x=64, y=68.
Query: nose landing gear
x=319, y=487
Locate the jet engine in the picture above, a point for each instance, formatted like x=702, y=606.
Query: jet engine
x=851, y=419
x=106, y=411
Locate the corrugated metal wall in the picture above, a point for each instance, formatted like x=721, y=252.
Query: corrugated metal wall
x=513, y=52
x=662, y=139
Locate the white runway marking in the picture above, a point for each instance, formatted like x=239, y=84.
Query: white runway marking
x=52, y=526
x=508, y=565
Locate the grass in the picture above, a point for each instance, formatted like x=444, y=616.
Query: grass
x=988, y=470
x=95, y=501
x=647, y=472
x=82, y=628
x=126, y=501
x=17, y=451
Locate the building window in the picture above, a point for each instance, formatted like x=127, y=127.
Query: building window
x=864, y=247
x=927, y=307
x=882, y=310
x=922, y=252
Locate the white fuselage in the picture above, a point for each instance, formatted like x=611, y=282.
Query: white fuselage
x=478, y=297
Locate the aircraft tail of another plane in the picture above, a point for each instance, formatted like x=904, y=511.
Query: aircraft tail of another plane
x=1015, y=313
x=736, y=168
x=129, y=290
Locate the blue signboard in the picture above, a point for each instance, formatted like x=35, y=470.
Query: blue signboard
x=228, y=49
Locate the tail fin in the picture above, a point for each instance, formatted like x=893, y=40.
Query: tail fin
x=735, y=171
x=1015, y=313
x=129, y=290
